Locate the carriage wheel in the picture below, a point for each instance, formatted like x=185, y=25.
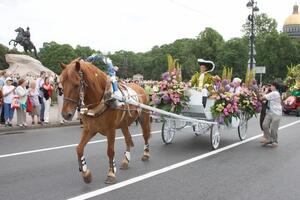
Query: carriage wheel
x=215, y=136
x=194, y=130
x=242, y=128
x=168, y=131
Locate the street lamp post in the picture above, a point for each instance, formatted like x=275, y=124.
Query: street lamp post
x=253, y=6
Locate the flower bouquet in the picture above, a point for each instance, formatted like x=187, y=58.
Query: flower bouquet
x=248, y=103
x=171, y=96
x=225, y=108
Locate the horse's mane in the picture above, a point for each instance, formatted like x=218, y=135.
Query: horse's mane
x=94, y=78
x=92, y=74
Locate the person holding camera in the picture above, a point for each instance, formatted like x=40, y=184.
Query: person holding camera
x=273, y=115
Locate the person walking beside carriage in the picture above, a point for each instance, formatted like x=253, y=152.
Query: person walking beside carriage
x=203, y=81
x=22, y=93
x=273, y=116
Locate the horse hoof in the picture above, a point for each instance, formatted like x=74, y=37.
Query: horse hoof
x=87, y=176
x=145, y=157
x=124, y=165
x=110, y=180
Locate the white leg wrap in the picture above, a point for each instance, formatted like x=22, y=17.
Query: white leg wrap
x=146, y=146
x=114, y=166
x=127, y=155
x=83, y=164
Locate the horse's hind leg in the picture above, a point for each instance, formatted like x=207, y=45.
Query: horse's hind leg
x=129, y=143
x=145, y=124
x=85, y=172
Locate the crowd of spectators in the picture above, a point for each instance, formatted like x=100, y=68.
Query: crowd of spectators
x=28, y=97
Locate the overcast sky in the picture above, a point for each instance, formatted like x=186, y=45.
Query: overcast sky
x=131, y=25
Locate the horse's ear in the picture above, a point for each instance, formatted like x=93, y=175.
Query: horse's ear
x=77, y=66
x=63, y=66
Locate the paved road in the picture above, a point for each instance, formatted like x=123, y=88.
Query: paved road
x=42, y=164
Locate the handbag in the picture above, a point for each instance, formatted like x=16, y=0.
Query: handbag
x=28, y=105
x=15, y=103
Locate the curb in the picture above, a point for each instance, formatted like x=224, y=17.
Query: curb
x=16, y=129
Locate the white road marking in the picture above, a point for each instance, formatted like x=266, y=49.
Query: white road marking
x=65, y=146
x=166, y=169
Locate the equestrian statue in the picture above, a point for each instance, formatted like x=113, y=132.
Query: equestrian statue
x=23, y=39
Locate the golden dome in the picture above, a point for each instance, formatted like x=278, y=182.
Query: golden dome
x=293, y=18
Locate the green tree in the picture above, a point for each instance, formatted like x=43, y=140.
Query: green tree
x=208, y=43
x=234, y=54
x=276, y=52
x=52, y=53
x=3, y=51
x=262, y=23
x=83, y=51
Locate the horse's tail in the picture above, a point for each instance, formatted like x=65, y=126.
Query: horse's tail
x=35, y=53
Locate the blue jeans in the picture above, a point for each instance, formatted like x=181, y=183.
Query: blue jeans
x=8, y=112
x=42, y=110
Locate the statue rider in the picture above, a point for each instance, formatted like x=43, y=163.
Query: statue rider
x=112, y=74
x=27, y=34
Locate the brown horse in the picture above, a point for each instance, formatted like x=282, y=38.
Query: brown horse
x=83, y=83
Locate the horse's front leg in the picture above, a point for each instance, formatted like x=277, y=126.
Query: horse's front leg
x=85, y=172
x=145, y=124
x=111, y=177
x=129, y=143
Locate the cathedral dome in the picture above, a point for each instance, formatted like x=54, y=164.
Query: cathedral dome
x=292, y=24
x=293, y=18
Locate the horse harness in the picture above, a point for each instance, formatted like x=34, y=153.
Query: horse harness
x=104, y=103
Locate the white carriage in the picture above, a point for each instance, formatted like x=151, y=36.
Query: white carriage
x=201, y=121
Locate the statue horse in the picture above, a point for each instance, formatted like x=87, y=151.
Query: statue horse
x=83, y=83
x=24, y=41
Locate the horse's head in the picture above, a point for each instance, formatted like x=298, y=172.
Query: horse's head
x=70, y=80
x=19, y=30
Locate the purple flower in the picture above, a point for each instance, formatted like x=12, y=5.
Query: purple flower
x=221, y=120
x=225, y=82
x=166, y=76
x=166, y=97
x=227, y=88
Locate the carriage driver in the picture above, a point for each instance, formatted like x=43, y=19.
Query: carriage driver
x=203, y=81
x=112, y=74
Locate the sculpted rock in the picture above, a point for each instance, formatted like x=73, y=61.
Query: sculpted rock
x=25, y=65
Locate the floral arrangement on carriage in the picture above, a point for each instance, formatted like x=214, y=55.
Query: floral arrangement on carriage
x=225, y=106
x=249, y=103
x=228, y=105
x=171, y=96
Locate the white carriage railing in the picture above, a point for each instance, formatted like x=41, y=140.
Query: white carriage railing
x=162, y=112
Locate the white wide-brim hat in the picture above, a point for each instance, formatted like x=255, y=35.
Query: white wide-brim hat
x=210, y=66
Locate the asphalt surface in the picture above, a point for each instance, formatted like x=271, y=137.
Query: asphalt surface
x=42, y=164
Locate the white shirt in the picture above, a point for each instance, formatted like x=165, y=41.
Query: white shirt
x=5, y=90
x=22, y=93
x=274, y=103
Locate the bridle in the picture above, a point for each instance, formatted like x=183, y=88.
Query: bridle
x=80, y=101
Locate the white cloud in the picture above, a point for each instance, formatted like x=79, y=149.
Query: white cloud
x=135, y=25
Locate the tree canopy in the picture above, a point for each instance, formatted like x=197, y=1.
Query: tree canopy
x=274, y=50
